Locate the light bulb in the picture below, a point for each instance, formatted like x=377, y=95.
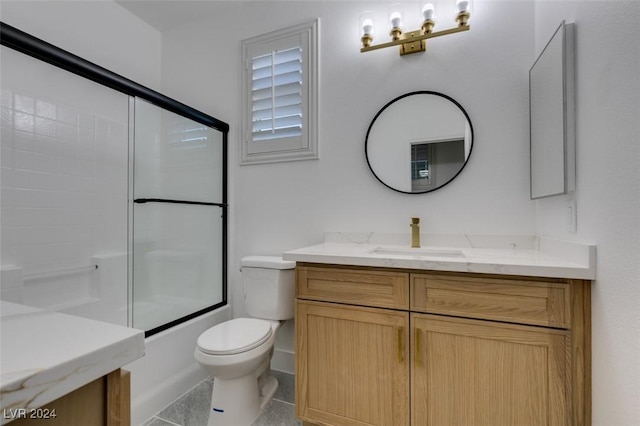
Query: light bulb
x=462, y=6
x=396, y=20
x=427, y=11
x=367, y=27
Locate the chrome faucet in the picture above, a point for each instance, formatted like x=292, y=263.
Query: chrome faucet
x=415, y=232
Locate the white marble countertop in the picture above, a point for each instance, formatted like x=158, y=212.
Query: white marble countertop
x=506, y=255
x=45, y=355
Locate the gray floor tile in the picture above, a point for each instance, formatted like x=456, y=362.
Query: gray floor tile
x=278, y=413
x=154, y=421
x=286, y=389
x=192, y=408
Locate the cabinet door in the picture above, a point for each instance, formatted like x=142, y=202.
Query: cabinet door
x=352, y=365
x=481, y=373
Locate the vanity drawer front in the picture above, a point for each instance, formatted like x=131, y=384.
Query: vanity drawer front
x=517, y=301
x=382, y=289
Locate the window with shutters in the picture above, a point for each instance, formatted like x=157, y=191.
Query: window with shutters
x=279, y=96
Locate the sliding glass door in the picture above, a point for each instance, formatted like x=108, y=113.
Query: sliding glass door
x=178, y=218
x=137, y=239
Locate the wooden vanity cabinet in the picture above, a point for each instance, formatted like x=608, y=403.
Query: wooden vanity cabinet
x=105, y=401
x=352, y=361
x=467, y=372
x=440, y=349
x=356, y=364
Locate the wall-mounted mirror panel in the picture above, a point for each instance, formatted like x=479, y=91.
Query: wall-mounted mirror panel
x=551, y=97
x=419, y=142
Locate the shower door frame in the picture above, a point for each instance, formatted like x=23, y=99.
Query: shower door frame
x=32, y=46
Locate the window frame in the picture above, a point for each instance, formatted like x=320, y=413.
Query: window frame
x=305, y=147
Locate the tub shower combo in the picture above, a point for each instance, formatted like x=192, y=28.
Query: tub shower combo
x=114, y=201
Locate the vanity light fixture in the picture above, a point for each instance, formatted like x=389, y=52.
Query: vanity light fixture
x=412, y=41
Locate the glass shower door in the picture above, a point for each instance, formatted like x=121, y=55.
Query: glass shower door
x=178, y=218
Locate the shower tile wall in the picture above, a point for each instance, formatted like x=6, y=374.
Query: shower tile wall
x=63, y=181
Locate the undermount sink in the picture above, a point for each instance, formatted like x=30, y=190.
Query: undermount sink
x=425, y=251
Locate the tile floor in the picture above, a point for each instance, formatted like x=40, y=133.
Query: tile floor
x=192, y=408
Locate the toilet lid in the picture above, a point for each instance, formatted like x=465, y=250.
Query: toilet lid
x=235, y=336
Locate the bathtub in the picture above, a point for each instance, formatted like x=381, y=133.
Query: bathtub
x=168, y=368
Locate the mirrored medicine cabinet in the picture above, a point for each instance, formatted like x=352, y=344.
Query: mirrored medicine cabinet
x=419, y=142
x=552, y=116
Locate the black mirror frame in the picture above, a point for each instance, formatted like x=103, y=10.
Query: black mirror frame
x=388, y=104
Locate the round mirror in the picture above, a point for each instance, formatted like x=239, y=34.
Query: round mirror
x=419, y=142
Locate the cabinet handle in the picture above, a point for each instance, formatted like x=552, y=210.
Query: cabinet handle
x=418, y=346
x=400, y=345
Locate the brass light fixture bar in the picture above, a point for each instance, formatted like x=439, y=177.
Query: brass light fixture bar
x=414, y=41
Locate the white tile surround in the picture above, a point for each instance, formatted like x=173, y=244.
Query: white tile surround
x=64, y=190
x=510, y=255
x=64, y=201
x=54, y=172
x=46, y=355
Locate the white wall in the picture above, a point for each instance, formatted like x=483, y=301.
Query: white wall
x=99, y=31
x=278, y=207
x=607, y=189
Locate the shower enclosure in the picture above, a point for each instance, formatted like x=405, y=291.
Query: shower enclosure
x=178, y=218
x=114, y=199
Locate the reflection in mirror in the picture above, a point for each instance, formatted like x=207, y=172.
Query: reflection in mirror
x=419, y=142
x=421, y=178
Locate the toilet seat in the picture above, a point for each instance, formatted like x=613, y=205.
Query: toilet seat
x=235, y=336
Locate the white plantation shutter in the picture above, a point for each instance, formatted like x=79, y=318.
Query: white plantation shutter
x=276, y=94
x=280, y=96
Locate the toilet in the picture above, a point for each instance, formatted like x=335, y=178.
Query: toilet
x=238, y=352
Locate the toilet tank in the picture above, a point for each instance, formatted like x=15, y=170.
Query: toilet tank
x=269, y=287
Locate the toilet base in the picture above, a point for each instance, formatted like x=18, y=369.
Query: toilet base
x=239, y=402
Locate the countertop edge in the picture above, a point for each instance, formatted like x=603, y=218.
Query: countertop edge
x=33, y=384
x=566, y=259
x=523, y=270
